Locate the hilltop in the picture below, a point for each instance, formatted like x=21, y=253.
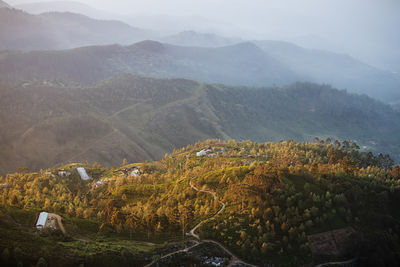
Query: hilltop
x=271, y=199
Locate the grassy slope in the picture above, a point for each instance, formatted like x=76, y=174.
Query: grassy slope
x=84, y=242
x=142, y=118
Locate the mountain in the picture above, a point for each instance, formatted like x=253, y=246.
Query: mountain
x=340, y=70
x=257, y=63
x=65, y=6
x=23, y=31
x=50, y=122
x=243, y=63
x=192, y=38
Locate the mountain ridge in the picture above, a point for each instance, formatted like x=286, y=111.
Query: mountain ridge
x=142, y=118
x=54, y=30
x=253, y=63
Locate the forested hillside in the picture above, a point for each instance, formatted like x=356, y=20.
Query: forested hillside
x=238, y=64
x=51, y=122
x=252, y=64
x=276, y=196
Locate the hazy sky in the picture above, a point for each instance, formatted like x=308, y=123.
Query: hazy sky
x=360, y=27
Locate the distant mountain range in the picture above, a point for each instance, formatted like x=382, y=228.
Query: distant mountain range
x=257, y=63
x=340, y=70
x=23, y=31
x=64, y=6
x=243, y=63
x=46, y=123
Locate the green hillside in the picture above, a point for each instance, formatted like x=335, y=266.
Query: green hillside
x=271, y=199
x=239, y=64
x=263, y=63
x=48, y=123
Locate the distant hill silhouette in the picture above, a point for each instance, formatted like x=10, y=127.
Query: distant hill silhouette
x=258, y=63
x=23, y=31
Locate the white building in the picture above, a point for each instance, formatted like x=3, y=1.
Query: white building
x=41, y=222
x=64, y=173
x=201, y=153
x=135, y=173
x=82, y=172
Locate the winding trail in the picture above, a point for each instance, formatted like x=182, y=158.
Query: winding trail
x=192, y=232
x=336, y=263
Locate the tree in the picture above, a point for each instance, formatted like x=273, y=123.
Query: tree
x=41, y=262
x=395, y=172
x=264, y=248
x=243, y=235
x=131, y=222
x=18, y=254
x=186, y=213
x=5, y=255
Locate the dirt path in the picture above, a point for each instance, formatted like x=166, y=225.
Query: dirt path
x=192, y=232
x=234, y=259
x=336, y=263
x=173, y=253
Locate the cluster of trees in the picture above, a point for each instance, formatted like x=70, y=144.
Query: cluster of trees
x=276, y=194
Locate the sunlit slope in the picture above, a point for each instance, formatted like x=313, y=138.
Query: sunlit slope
x=142, y=118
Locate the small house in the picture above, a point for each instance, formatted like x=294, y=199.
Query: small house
x=83, y=174
x=201, y=153
x=64, y=173
x=41, y=222
x=135, y=172
x=49, y=173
